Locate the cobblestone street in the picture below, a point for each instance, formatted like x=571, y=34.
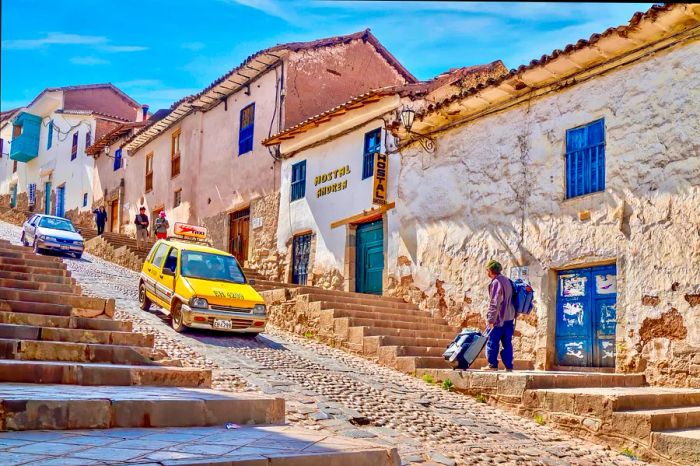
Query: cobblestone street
x=328, y=389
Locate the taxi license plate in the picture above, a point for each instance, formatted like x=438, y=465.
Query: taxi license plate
x=64, y=247
x=220, y=323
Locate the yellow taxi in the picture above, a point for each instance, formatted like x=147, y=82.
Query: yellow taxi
x=199, y=286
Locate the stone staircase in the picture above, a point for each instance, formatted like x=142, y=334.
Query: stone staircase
x=397, y=333
x=65, y=364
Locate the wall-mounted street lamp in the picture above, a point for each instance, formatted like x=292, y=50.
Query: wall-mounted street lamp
x=408, y=115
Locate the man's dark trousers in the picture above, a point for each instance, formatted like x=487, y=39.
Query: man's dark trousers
x=501, y=336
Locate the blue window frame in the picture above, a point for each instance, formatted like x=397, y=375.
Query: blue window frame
x=74, y=147
x=85, y=200
x=298, y=180
x=373, y=142
x=117, y=159
x=49, y=137
x=585, y=159
x=245, y=131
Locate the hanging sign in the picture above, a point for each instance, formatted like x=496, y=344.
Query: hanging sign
x=381, y=169
x=191, y=231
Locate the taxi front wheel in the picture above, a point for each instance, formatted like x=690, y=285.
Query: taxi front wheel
x=176, y=318
x=144, y=301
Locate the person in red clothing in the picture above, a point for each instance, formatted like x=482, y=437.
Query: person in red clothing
x=161, y=226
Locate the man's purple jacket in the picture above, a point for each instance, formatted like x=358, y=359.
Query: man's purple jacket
x=500, y=306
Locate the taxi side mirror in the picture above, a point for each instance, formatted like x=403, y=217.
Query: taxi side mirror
x=169, y=272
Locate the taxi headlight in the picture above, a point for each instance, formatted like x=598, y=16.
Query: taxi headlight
x=199, y=302
x=259, y=310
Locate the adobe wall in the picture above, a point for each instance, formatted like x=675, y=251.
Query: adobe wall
x=103, y=100
x=495, y=188
x=320, y=79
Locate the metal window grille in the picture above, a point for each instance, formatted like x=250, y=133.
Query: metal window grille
x=31, y=193
x=301, y=245
x=298, y=180
x=178, y=198
x=585, y=159
x=74, y=147
x=373, y=141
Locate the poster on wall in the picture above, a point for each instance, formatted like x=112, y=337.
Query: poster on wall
x=381, y=170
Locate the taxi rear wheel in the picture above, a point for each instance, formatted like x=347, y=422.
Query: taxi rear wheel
x=176, y=318
x=144, y=301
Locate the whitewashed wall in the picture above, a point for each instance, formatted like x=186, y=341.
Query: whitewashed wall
x=496, y=189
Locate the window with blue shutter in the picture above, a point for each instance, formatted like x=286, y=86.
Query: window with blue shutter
x=298, y=180
x=373, y=142
x=117, y=159
x=585, y=159
x=245, y=131
x=74, y=147
x=49, y=138
x=85, y=199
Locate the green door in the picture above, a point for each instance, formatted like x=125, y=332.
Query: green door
x=369, y=264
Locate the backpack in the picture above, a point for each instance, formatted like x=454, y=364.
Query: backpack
x=523, y=295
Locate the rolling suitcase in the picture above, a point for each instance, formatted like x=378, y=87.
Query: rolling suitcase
x=465, y=348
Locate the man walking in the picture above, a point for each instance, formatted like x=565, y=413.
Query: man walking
x=500, y=318
x=142, y=223
x=100, y=219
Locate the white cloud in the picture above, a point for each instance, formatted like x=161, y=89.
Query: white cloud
x=140, y=83
x=54, y=38
x=88, y=60
x=195, y=46
x=122, y=48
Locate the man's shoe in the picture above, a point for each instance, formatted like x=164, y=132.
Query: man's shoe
x=509, y=370
x=489, y=368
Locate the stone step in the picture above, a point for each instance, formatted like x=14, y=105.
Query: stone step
x=302, y=290
x=345, y=322
x=380, y=308
x=410, y=364
x=641, y=423
x=76, y=322
x=372, y=344
x=35, y=263
x=38, y=286
x=36, y=308
x=26, y=253
x=396, y=316
x=105, y=306
x=35, y=270
x=56, y=279
x=683, y=445
x=60, y=407
x=75, y=335
x=390, y=356
x=357, y=334
x=277, y=445
x=73, y=373
x=39, y=350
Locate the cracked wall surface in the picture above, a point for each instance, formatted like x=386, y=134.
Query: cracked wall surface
x=496, y=188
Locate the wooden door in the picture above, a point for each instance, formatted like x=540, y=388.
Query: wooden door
x=369, y=262
x=586, y=317
x=239, y=233
x=114, y=216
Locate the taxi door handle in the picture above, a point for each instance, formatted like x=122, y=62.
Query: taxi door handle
x=161, y=275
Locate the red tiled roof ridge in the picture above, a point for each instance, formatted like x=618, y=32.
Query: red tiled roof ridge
x=112, y=136
x=401, y=89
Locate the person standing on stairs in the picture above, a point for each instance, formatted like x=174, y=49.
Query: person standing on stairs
x=142, y=223
x=500, y=318
x=100, y=219
x=161, y=226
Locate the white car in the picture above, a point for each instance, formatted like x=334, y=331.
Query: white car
x=46, y=232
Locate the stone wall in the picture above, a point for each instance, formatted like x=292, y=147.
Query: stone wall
x=263, y=254
x=496, y=188
x=97, y=246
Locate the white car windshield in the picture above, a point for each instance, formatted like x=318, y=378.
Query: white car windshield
x=56, y=224
x=211, y=267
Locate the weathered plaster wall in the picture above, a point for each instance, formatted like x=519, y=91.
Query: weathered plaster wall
x=495, y=188
x=320, y=79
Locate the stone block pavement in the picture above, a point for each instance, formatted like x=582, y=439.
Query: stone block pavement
x=243, y=446
x=336, y=393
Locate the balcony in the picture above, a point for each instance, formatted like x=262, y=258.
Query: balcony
x=25, y=137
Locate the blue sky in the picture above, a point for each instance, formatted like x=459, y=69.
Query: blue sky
x=158, y=51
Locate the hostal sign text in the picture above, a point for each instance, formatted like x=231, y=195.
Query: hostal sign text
x=330, y=176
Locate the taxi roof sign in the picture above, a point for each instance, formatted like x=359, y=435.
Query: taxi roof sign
x=190, y=231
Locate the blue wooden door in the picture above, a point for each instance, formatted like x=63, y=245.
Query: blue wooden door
x=369, y=265
x=586, y=317
x=60, y=201
x=47, y=198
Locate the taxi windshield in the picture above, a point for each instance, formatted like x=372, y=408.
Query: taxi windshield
x=56, y=224
x=208, y=266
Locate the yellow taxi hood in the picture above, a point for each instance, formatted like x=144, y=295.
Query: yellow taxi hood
x=224, y=293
